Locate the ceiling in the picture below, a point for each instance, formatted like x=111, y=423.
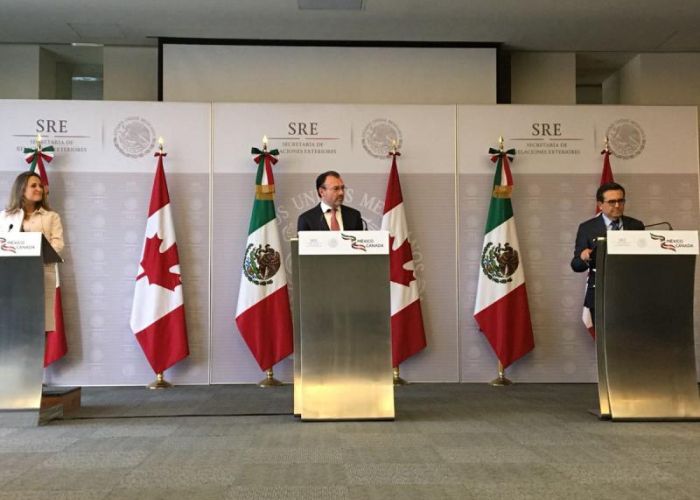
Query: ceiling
x=605, y=26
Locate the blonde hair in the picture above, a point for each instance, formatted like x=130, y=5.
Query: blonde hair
x=17, y=200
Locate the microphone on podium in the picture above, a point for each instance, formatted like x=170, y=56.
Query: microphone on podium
x=664, y=223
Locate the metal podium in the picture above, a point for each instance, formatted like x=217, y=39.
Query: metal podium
x=644, y=325
x=22, y=259
x=342, y=338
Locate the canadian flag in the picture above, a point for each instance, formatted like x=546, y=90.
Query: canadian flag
x=407, y=333
x=158, y=311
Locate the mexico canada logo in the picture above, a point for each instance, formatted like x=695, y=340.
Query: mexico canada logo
x=626, y=138
x=134, y=137
x=499, y=262
x=662, y=242
x=6, y=247
x=353, y=242
x=260, y=264
x=378, y=137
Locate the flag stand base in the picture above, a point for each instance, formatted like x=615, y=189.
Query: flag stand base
x=160, y=383
x=397, y=379
x=501, y=380
x=270, y=380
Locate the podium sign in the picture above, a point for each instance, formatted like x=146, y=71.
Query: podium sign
x=652, y=242
x=342, y=337
x=20, y=244
x=344, y=243
x=645, y=338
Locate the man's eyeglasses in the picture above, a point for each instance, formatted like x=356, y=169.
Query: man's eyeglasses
x=612, y=203
x=334, y=188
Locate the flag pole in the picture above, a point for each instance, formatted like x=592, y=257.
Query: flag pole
x=160, y=383
x=396, y=371
x=501, y=380
x=270, y=380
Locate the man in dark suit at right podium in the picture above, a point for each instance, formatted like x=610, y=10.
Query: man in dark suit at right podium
x=330, y=214
x=611, y=204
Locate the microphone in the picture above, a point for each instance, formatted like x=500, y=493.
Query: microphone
x=10, y=228
x=664, y=223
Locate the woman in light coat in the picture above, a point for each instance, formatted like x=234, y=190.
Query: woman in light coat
x=28, y=210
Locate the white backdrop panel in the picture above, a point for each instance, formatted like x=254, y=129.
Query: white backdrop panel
x=101, y=180
x=345, y=138
x=556, y=174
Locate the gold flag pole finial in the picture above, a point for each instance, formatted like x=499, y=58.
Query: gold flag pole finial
x=161, y=143
x=500, y=142
x=264, y=143
x=501, y=380
x=270, y=380
x=607, y=144
x=160, y=383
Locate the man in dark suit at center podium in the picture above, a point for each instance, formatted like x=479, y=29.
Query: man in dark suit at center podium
x=611, y=204
x=330, y=214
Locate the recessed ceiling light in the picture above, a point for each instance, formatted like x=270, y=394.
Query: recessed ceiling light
x=330, y=4
x=86, y=44
x=86, y=79
x=109, y=31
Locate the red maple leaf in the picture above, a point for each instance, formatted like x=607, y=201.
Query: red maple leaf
x=397, y=259
x=156, y=265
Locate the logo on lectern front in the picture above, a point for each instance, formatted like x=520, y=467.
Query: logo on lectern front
x=353, y=242
x=6, y=247
x=666, y=245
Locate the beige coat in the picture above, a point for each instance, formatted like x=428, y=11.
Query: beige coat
x=49, y=223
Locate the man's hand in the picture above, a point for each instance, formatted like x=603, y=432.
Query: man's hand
x=586, y=254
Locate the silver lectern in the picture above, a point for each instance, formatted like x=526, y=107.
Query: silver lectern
x=342, y=338
x=22, y=259
x=644, y=325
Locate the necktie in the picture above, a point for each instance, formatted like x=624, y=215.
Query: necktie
x=615, y=225
x=334, y=221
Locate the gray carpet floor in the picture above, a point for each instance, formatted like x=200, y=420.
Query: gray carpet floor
x=448, y=441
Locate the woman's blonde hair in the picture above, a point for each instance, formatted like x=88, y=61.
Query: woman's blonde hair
x=17, y=200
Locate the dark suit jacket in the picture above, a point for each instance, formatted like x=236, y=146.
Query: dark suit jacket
x=585, y=238
x=313, y=220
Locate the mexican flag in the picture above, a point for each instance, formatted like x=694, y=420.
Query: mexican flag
x=605, y=177
x=263, y=315
x=158, y=310
x=502, y=310
x=407, y=332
